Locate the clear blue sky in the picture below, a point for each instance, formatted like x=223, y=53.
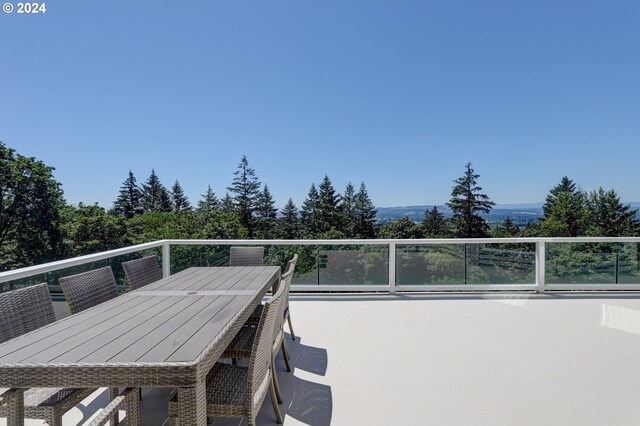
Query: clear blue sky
x=398, y=94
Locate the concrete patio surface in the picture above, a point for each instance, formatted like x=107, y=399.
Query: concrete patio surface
x=448, y=359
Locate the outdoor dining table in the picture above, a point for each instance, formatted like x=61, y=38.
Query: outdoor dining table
x=166, y=334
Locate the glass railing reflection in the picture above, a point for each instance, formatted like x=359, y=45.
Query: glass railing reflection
x=464, y=264
x=592, y=263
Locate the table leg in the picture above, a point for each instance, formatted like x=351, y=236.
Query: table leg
x=15, y=406
x=133, y=408
x=192, y=404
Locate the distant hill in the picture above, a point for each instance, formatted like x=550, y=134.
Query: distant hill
x=520, y=214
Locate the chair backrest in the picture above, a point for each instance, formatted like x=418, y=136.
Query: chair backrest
x=292, y=263
x=260, y=361
x=246, y=256
x=89, y=289
x=24, y=310
x=285, y=283
x=291, y=267
x=141, y=272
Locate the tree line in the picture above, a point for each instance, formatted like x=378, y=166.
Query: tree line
x=568, y=211
x=37, y=224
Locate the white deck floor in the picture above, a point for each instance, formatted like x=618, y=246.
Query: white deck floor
x=452, y=360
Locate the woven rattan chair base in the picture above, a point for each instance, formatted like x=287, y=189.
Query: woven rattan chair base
x=226, y=394
x=128, y=400
x=49, y=404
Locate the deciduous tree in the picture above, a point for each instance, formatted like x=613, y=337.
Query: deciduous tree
x=30, y=203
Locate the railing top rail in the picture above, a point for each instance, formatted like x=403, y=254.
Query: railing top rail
x=66, y=263
x=411, y=241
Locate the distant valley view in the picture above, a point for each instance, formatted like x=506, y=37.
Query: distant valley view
x=520, y=214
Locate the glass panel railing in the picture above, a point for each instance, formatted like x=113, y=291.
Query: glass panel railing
x=592, y=263
x=338, y=264
x=504, y=263
x=430, y=264
x=353, y=265
x=455, y=264
x=52, y=278
x=628, y=263
x=186, y=256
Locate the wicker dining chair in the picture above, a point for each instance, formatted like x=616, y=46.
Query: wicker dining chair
x=246, y=256
x=255, y=316
x=141, y=272
x=22, y=311
x=89, y=289
x=239, y=391
x=240, y=347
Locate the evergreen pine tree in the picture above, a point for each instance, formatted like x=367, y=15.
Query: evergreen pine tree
x=245, y=189
x=266, y=213
x=180, y=201
x=129, y=202
x=434, y=224
x=209, y=203
x=566, y=211
x=329, y=201
x=165, y=204
x=155, y=196
x=404, y=228
x=466, y=204
x=348, y=210
x=609, y=217
x=507, y=229
x=289, y=223
x=366, y=225
x=226, y=205
x=310, y=214
x=566, y=185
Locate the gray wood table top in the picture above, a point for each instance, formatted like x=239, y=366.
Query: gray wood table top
x=183, y=321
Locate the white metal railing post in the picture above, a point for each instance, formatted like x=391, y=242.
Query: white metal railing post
x=540, y=266
x=392, y=268
x=166, y=259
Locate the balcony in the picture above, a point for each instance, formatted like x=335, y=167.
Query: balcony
x=547, y=349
